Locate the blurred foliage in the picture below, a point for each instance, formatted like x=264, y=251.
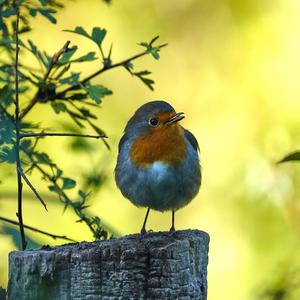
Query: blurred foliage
x=295, y=156
x=15, y=236
x=66, y=92
x=285, y=285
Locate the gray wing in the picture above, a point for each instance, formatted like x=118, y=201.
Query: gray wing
x=191, y=138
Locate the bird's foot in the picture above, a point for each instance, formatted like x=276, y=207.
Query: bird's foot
x=172, y=230
x=144, y=231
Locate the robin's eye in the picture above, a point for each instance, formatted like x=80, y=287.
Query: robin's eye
x=153, y=122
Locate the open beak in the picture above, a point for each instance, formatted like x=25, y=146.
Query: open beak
x=176, y=118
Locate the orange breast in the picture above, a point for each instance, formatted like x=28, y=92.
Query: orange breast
x=164, y=144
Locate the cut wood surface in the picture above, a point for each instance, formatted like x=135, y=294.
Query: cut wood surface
x=151, y=266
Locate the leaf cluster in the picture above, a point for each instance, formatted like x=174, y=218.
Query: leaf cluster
x=68, y=93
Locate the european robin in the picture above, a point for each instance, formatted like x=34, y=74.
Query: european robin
x=158, y=165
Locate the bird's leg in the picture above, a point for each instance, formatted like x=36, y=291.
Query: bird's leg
x=172, y=229
x=143, y=231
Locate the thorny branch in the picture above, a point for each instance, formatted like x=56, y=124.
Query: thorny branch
x=42, y=134
x=17, y=127
x=32, y=188
x=105, y=68
x=54, y=60
x=123, y=63
x=63, y=196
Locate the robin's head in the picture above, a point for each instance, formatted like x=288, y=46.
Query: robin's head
x=156, y=134
x=153, y=117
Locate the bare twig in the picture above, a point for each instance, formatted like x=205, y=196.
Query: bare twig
x=54, y=60
x=54, y=236
x=32, y=188
x=42, y=134
x=17, y=126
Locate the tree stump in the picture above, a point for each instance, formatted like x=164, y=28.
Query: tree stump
x=151, y=266
x=2, y=293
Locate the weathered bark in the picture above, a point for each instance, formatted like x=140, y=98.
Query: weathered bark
x=154, y=266
x=2, y=293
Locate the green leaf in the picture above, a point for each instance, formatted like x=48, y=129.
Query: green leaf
x=154, y=53
x=15, y=235
x=79, y=30
x=76, y=115
x=147, y=81
x=97, y=129
x=58, y=107
x=41, y=57
x=48, y=14
x=295, y=156
x=96, y=92
x=7, y=154
x=58, y=172
x=43, y=2
x=9, y=12
x=142, y=73
x=27, y=125
x=7, y=131
x=154, y=40
x=129, y=66
x=25, y=28
x=73, y=79
x=33, y=47
x=55, y=189
x=88, y=57
x=42, y=158
x=39, y=78
x=150, y=49
x=83, y=195
x=98, y=35
x=94, y=179
x=87, y=113
x=68, y=183
x=80, y=144
x=67, y=55
x=62, y=72
x=100, y=132
x=75, y=118
x=26, y=145
x=33, y=12
x=78, y=96
x=6, y=95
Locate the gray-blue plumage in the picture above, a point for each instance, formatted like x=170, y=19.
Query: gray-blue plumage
x=159, y=186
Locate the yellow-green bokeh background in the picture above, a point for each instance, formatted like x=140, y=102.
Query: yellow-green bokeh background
x=233, y=68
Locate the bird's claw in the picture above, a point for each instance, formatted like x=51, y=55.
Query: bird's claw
x=144, y=231
x=172, y=230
